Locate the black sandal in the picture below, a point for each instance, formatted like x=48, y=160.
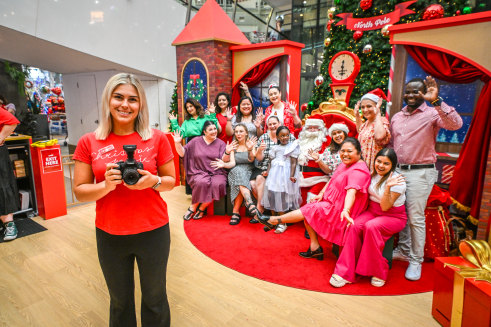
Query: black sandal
x=252, y=209
x=265, y=221
x=188, y=215
x=235, y=219
x=199, y=214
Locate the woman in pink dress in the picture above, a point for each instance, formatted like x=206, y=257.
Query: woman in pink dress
x=331, y=211
x=373, y=134
x=385, y=216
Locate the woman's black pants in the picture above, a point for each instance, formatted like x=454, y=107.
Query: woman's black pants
x=117, y=254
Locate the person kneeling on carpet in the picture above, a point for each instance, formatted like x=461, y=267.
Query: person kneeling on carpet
x=240, y=162
x=281, y=190
x=385, y=216
x=207, y=184
x=329, y=213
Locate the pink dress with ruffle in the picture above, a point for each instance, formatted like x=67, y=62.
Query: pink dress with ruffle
x=325, y=216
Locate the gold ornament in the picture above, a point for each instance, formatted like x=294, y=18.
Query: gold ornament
x=327, y=41
x=330, y=12
x=385, y=30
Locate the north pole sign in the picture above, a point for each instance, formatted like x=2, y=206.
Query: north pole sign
x=375, y=22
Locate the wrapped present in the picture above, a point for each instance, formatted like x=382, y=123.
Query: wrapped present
x=477, y=303
x=454, y=299
x=443, y=287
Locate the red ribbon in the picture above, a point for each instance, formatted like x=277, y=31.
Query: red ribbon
x=375, y=22
x=194, y=77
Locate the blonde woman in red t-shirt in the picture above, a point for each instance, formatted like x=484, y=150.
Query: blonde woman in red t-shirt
x=131, y=216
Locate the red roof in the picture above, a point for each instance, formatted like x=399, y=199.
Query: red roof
x=211, y=23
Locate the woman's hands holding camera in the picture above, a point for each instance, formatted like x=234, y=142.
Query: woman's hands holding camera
x=147, y=180
x=112, y=176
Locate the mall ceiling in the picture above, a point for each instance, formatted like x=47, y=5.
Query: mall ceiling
x=28, y=50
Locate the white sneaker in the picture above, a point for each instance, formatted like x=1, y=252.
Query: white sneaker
x=398, y=255
x=377, y=282
x=338, y=281
x=280, y=229
x=413, y=271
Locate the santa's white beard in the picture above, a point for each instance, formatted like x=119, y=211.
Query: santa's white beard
x=309, y=140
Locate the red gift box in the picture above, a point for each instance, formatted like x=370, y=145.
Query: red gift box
x=477, y=303
x=444, y=287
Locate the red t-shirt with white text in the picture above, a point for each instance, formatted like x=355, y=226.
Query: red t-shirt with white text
x=124, y=211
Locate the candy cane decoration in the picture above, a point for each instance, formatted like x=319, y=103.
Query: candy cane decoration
x=391, y=77
x=288, y=80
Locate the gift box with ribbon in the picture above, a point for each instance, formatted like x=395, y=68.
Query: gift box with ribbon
x=462, y=291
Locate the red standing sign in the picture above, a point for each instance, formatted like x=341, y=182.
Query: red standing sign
x=51, y=160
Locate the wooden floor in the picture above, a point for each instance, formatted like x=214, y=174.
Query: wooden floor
x=53, y=278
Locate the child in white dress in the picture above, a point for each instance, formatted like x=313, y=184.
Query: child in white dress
x=282, y=190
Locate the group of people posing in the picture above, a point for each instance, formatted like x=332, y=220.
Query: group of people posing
x=353, y=192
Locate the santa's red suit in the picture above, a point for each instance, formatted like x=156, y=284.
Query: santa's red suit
x=312, y=179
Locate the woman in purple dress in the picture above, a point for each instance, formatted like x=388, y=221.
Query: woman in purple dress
x=207, y=184
x=331, y=212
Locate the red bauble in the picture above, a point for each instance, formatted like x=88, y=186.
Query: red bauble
x=56, y=90
x=458, y=13
x=303, y=107
x=329, y=24
x=366, y=4
x=433, y=12
x=357, y=35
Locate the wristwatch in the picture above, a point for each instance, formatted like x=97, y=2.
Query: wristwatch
x=437, y=102
x=158, y=183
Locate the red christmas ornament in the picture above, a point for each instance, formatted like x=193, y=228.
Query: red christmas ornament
x=357, y=35
x=304, y=107
x=329, y=24
x=433, y=12
x=366, y=4
x=56, y=90
x=458, y=13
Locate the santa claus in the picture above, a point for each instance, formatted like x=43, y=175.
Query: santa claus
x=312, y=140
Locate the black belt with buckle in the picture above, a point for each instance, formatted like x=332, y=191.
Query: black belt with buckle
x=308, y=169
x=409, y=167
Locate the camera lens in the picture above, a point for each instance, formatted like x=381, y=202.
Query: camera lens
x=131, y=176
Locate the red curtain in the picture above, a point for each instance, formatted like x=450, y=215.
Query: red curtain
x=254, y=77
x=468, y=179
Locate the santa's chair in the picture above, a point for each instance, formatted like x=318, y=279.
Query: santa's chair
x=335, y=111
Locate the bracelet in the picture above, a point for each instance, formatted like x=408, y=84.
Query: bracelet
x=158, y=183
x=347, y=210
x=437, y=102
x=227, y=154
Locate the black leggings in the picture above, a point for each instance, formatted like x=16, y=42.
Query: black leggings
x=117, y=254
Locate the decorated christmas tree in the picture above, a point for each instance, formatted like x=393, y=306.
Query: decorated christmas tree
x=372, y=46
x=173, y=103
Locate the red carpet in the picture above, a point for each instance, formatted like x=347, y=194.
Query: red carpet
x=272, y=257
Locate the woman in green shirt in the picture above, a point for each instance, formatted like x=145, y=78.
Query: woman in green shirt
x=194, y=119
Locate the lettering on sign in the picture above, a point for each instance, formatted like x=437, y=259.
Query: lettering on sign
x=51, y=160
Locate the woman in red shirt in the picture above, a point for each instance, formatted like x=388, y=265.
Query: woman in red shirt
x=286, y=112
x=131, y=216
x=9, y=196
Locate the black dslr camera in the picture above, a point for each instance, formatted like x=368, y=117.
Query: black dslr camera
x=129, y=167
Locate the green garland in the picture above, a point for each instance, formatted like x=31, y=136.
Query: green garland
x=17, y=75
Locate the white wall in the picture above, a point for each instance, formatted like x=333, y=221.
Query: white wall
x=134, y=33
x=83, y=101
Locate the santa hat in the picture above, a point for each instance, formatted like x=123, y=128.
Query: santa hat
x=338, y=127
x=374, y=95
x=314, y=122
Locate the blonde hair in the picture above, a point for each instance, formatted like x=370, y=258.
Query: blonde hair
x=142, y=126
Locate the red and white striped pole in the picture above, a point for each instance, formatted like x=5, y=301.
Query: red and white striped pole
x=391, y=77
x=288, y=81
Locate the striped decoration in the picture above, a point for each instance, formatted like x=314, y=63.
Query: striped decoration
x=287, y=91
x=391, y=77
x=447, y=174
